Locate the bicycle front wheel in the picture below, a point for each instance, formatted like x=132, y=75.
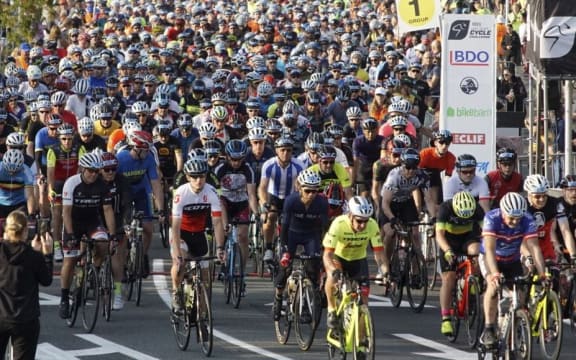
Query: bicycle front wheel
x=454, y=318
x=138, y=266
x=284, y=324
x=417, y=284
x=431, y=258
x=180, y=322
x=106, y=288
x=473, y=315
x=237, y=277
x=551, y=327
x=90, y=298
x=397, y=277
x=364, y=343
x=204, y=325
x=519, y=340
x=306, y=307
x=75, y=294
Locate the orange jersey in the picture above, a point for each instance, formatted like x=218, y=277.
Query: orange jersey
x=429, y=159
x=114, y=138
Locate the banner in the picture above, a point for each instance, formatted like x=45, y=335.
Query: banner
x=416, y=15
x=468, y=86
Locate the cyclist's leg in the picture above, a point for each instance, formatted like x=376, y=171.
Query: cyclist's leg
x=313, y=247
x=358, y=270
x=242, y=215
x=143, y=202
x=447, y=287
x=269, y=227
x=387, y=234
x=71, y=254
x=408, y=213
x=196, y=245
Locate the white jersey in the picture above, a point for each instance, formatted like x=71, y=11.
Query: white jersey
x=79, y=107
x=196, y=209
x=478, y=187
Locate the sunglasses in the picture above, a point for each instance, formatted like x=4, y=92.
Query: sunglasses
x=92, y=171
x=399, y=128
x=396, y=155
x=52, y=129
x=66, y=139
x=310, y=191
x=198, y=176
x=110, y=169
x=467, y=172
x=539, y=196
x=415, y=71
x=327, y=162
x=361, y=221
x=149, y=85
x=43, y=112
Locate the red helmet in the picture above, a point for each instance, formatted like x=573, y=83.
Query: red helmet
x=109, y=160
x=140, y=139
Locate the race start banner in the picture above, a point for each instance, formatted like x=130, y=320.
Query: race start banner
x=468, y=86
x=416, y=15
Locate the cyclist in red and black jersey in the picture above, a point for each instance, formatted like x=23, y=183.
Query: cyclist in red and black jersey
x=505, y=178
x=567, y=205
x=169, y=151
x=391, y=151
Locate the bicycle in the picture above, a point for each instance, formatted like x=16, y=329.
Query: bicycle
x=407, y=269
x=233, y=270
x=514, y=340
x=164, y=226
x=466, y=301
x=299, y=300
x=256, y=242
x=355, y=331
x=546, y=317
x=106, y=286
x=430, y=251
x=567, y=292
x=194, y=296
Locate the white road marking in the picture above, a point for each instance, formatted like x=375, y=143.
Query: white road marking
x=48, y=300
x=441, y=351
x=163, y=289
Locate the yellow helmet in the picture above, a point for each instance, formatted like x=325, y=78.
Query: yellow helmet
x=464, y=204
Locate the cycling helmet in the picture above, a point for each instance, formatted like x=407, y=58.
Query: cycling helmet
x=65, y=129
x=198, y=86
x=405, y=139
x=395, y=107
x=34, y=73
x=13, y=160
x=405, y=106
x=257, y=133
x=465, y=161
x=410, y=158
x=335, y=131
x=327, y=152
x=130, y=126
x=219, y=113
x=236, y=149
x=536, y=184
x=58, y=98
x=313, y=97
x=184, y=120
x=197, y=154
x=309, y=179
x=90, y=161
x=513, y=204
x=506, y=155
x=273, y=125
x=238, y=60
x=308, y=85
x=81, y=87
x=369, y=124
x=162, y=99
x=12, y=82
x=290, y=106
x=212, y=147
x=284, y=141
x=163, y=127
x=30, y=97
x=360, y=206
x=314, y=141
x=344, y=93
x=398, y=120
x=354, y=112
x=140, y=107
x=54, y=119
x=240, y=85
x=255, y=122
x=140, y=139
x=464, y=204
x=207, y=130
x=253, y=76
x=218, y=97
x=231, y=96
x=264, y=89
x=443, y=135
x=569, y=181
x=85, y=126
x=252, y=103
x=108, y=160
x=163, y=89
x=15, y=139
x=195, y=167
x=395, y=145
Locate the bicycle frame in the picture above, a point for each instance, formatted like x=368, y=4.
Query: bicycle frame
x=352, y=299
x=464, y=270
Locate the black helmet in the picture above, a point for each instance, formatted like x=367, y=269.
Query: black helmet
x=314, y=141
x=443, y=135
x=506, y=155
x=369, y=124
x=465, y=161
x=313, y=97
x=410, y=158
x=344, y=93
x=569, y=181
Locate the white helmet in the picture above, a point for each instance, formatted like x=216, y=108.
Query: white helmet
x=13, y=160
x=90, y=161
x=34, y=73
x=536, y=184
x=513, y=204
x=257, y=133
x=15, y=139
x=81, y=87
x=85, y=126
x=207, y=130
x=398, y=120
x=309, y=178
x=255, y=122
x=360, y=206
x=140, y=107
x=354, y=112
x=129, y=126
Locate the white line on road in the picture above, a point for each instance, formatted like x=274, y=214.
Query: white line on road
x=161, y=284
x=441, y=351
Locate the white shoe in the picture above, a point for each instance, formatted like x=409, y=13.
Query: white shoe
x=58, y=254
x=268, y=256
x=118, y=302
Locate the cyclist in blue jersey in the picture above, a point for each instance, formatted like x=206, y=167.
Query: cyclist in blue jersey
x=366, y=150
x=46, y=138
x=16, y=184
x=304, y=221
x=185, y=134
x=138, y=165
x=277, y=181
x=258, y=152
x=505, y=231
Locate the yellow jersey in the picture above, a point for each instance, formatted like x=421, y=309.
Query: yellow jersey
x=350, y=245
x=338, y=175
x=105, y=132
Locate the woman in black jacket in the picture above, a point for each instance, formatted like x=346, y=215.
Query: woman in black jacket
x=22, y=268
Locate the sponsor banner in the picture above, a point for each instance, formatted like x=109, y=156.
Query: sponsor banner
x=468, y=87
x=416, y=15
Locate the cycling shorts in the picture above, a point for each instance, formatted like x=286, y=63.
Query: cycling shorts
x=238, y=211
x=364, y=178
x=355, y=269
x=312, y=246
x=143, y=202
x=276, y=204
x=91, y=230
x=459, y=245
x=508, y=270
x=193, y=244
x=405, y=211
x=56, y=195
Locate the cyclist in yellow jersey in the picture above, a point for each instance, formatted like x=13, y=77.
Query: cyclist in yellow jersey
x=345, y=250
x=331, y=171
x=104, y=125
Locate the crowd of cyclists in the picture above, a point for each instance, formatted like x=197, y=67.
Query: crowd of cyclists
x=312, y=114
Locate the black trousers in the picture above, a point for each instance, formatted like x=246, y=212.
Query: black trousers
x=24, y=339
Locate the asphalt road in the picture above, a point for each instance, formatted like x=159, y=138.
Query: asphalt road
x=246, y=333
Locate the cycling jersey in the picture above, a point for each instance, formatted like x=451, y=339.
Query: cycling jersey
x=185, y=141
x=167, y=153
x=116, y=137
x=544, y=219
x=304, y=223
x=64, y=162
x=401, y=187
x=508, y=240
x=338, y=175
x=106, y=132
x=42, y=142
x=256, y=164
x=350, y=245
x=499, y=186
x=430, y=161
x=569, y=211
x=456, y=227
x=477, y=187
x=233, y=181
x=367, y=151
x=282, y=181
x=121, y=194
x=96, y=142
x=196, y=209
x=139, y=173
x=12, y=186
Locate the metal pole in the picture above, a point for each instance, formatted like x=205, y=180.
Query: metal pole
x=530, y=120
x=535, y=136
x=567, y=127
x=545, y=122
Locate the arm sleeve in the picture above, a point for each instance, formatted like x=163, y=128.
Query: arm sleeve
x=286, y=219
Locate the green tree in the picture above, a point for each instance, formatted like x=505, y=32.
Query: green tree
x=21, y=19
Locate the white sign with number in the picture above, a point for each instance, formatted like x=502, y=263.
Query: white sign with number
x=416, y=15
x=468, y=87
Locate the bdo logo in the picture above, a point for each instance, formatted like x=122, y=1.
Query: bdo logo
x=469, y=58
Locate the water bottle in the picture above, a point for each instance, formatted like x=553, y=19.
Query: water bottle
x=79, y=276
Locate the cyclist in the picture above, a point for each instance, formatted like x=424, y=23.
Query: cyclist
x=438, y=158
x=458, y=230
x=366, y=150
x=258, y=152
x=345, y=246
x=505, y=178
x=86, y=136
x=169, y=151
x=567, y=205
x=238, y=191
x=391, y=151
x=276, y=183
x=195, y=207
x=85, y=199
x=304, y=221
x=138, y=165
x=330, y=171
x=352, y=128
x=468, y=181
x=104, y=124
x=400, y=203
x=16, y=184
x=185, y=133
x=120, y=192
x=310, y=155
